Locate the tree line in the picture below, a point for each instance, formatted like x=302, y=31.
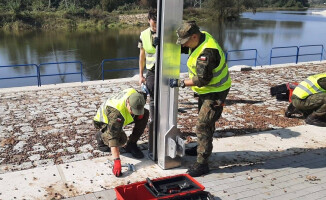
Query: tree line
x=110, y=5
x=102, y=14
x=55, y=5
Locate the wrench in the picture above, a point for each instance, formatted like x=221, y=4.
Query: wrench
x=131, y=167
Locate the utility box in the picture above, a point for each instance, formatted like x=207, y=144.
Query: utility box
x=178, y=187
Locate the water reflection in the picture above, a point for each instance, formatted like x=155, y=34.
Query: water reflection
x=261, y=31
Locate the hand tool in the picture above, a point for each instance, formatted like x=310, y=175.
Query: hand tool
x=131, y=167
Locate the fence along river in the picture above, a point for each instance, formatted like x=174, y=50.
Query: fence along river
x=262, y=31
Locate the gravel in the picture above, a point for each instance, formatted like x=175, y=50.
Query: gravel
x=54, y=126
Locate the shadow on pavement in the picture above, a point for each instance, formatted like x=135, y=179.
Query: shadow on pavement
x=283, y=133
x=308, y=158
x=233, y=101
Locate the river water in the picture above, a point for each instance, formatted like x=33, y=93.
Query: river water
x=261, y=31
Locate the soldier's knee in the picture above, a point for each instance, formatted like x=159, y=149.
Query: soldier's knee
x=203, y=129
x=146, y=114
x=116, y=141
x=205, y=138
x=123, y=139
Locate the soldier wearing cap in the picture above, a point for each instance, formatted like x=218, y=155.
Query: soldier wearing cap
x=125, y=108
x=209, y=78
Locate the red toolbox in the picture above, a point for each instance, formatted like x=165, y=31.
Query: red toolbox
x=176, y=187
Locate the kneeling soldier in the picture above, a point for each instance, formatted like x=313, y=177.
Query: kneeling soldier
x=115, y=113
x=310, y=97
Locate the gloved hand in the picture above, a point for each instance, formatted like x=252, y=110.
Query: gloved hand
x=174, y=82
x=117, y=167
x=144, y=89
x=156, y=41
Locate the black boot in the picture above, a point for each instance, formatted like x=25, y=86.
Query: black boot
x=314, y=120
x=134, y=150
x=192, y=151
x=100, y=144
x=198, y=169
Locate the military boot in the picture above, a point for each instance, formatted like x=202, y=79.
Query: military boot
x=134, y=150
x=314, y=120
x=198, y=169
x=100, y=144
x=191, y=151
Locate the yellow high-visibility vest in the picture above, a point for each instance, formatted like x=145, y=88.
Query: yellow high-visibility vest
x=309, y=86
x=150, y=51
x=221, y=80
x=118, y=102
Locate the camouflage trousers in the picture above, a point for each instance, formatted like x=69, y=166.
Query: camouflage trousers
x=119, y=138
x=210, y=108
x=314, y=104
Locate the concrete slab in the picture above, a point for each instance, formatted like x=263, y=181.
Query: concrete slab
x=95, y=175
x=30, y=184
x=266, y=145
x=76, y=178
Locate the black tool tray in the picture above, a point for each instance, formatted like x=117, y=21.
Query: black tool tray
x=168, y=186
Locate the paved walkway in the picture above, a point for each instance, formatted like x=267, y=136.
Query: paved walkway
x=48, y=150
x=53, y=124
x=258, y=162
x=296, y=177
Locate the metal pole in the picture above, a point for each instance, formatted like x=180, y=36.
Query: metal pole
x=165, y=140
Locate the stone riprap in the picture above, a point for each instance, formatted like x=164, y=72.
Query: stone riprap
x=46, y=126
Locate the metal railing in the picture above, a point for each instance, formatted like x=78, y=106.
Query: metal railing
x=284, y=56
x=23, y=65
x=58, y=63
x=297, y=55
x=38, y=74
x=116, y=59
x=312, y=54
x=242, y=50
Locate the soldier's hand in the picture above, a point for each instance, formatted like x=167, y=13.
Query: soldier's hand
x=141, y=79
x=117, y=167
x=156, y=41
x=174, y=82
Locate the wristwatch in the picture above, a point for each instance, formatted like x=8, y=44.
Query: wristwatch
x=182, y=83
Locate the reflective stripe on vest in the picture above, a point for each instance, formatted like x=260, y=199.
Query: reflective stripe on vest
x=221, y=79
x=150, y=51
x=309, y=86
x=118, y=102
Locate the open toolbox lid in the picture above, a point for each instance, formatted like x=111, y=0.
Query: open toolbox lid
x=169, y=187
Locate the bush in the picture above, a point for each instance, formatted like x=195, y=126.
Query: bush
x=14, y=5
x=96, y=13
x=128, y=7
x=38, y=5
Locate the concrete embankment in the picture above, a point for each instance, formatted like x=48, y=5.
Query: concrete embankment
x=48, y=131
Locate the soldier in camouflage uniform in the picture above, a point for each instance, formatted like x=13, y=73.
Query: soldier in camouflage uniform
x=209, y=78
x=125, y=108
x=310, y=97
x=147, y=43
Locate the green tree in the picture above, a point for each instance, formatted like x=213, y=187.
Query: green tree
x=14, y=5
x=89, y=4
x=224, y=8
x=39, y=5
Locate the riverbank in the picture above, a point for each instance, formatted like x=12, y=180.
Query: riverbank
x=93, y=20
x=86, y=21
x=48, y=149
x=53, y=124
x=89, y=20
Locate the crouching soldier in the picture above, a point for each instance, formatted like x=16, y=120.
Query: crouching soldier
x=310, y=97
x=115, y=113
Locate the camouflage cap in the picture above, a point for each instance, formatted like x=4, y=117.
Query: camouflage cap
x=186, y=30
x=137, y=103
